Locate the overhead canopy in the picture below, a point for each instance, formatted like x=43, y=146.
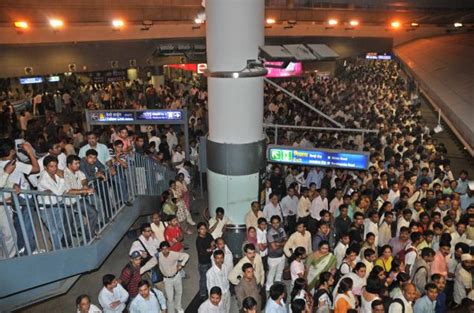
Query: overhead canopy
x=323, y=51
x=298, y=52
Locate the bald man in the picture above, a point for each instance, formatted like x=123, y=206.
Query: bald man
x=403, y=303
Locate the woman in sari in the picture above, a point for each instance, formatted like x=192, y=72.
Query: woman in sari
x=320, y=261
x=182, y=213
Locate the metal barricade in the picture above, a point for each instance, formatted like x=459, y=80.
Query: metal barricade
x=37, y=222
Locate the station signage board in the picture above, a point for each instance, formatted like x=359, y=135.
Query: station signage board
x=354, y=160
x=101, y=117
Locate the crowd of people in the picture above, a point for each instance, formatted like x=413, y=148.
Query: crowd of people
x=395, y=238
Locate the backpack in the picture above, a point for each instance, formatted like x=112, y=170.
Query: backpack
x=391, y=301
x=402, y=253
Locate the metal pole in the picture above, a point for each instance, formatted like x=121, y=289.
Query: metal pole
x=276, y=135
x=186, y=134
x=303, y=102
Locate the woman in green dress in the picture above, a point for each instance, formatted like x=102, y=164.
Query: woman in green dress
x=320, y=261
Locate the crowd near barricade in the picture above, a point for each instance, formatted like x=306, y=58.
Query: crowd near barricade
x=395, y=238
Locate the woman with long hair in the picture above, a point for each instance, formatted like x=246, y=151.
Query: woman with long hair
x=300, y=292
x=345, y=300
x=322, y=296
x=322, y=260
x=297, y=268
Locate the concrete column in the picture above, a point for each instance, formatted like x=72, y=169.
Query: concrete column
x=158, y=77
x=235, y=148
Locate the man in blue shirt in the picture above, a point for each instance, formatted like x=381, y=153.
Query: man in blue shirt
x=102, y=150
x=427, y=303
x=276, y=303
x=315, y=175
x=440, y=283
x=148, y=299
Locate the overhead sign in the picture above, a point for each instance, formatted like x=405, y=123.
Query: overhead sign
x=104, y=117
x=31, y=80
x=164, y=115
x=319, y=157
x=375, y=56
x=103, y=77
x=53, y=79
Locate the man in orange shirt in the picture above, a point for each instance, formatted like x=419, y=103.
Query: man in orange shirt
x=174, y=234
x=440, y=265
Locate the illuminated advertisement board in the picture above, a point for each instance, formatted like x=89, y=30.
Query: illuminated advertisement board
x=31, y=80
x=293, y=69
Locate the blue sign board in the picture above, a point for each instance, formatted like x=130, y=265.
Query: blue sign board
x=162, y=115
x=31, y=80
x=319, y=157
x=138, y=117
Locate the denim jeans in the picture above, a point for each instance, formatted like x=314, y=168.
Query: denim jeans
x=52, y=216
x=28, y=223
x=203, y=268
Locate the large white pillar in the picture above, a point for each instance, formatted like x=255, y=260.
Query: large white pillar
x=235, y=148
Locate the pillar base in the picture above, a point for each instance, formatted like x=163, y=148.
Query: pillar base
x=234, y=237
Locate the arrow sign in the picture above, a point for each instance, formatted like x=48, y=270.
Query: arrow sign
x=275, y=154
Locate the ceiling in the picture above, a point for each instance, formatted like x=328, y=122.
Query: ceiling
x=135, y=11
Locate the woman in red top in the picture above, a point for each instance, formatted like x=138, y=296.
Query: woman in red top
x=174, y=234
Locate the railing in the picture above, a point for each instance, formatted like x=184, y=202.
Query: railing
x=34, y=222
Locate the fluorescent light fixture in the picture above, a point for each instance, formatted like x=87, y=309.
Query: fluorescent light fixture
x=270, y=21
x=333, y=22
x=414, y=24
x=354, y=23
x=21, y=24
x=56, y=23
x=458, y=25
x=118, y=23
x=395, y=24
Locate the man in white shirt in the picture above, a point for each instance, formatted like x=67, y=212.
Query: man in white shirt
x=411, y=251
x=178, y=158
x=216, y=276
x=341, y=247
x=463, y=279
x=404, y=220
x=148, y=300
x=371, y=225
x=214, y=304
x=336, y=203
x=459, y=235
x=51, y=213
x=218, y=223
x=76, y=183
x=318, y=204
x=171, y=139
x=148, y=247
x=171, y=263
x=54, y=149
x=403, y=303
x=385, y=230
x=112, y=297
x=185, y=171
x=289, y=208
x=272, y=208
x=14, y=173
x=300, y=238
x=303, y=205
x=252, y=216
x=394, y=194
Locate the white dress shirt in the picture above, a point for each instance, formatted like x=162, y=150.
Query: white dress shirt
x=218, y=277
x=106, y=298
x=57, y=187
x=317, y=205
x=289, y=205
x=152, y=245
x=270, y=210
x=208, y=307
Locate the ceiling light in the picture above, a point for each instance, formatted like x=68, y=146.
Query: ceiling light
x=354, y=23
x=117, y=24
x=457, y=25
x=414, y=24
x=21, y=24
x=332, y=22
x=395, y=24
x=271, y=21
x=55, y=23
